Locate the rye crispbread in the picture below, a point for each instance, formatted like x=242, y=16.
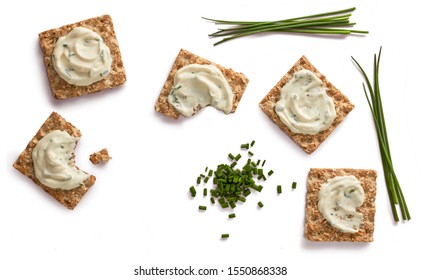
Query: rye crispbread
x=309, y=143
x=237, y=81
x=24, y=163
x=101, y=156
x=317, y=228
x=102, y=25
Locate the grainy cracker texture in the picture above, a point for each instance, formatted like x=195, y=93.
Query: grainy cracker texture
x=103, y=25
x=309, y=143
x=101, y=156
x=24, y=163
x=237, y=81
x=317, y=227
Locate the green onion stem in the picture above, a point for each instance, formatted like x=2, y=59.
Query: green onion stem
x=374, y=101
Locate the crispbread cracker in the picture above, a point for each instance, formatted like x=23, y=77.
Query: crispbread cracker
x=24, y=163
x=102, y=25
x=317, y=228
x=237, y=81
x=309, y=143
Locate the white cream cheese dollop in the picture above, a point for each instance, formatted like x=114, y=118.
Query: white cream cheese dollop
x=304, y=106
x=197, y=86
x=81, y=57
x=339, y=199
x=54, y=164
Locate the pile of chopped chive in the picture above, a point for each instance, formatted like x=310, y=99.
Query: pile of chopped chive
x=330, y=23
x=231, y=184
x=374, y=100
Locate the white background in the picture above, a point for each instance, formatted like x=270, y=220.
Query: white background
x=139, y=212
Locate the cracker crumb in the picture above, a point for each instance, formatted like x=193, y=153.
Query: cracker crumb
x=101, y=156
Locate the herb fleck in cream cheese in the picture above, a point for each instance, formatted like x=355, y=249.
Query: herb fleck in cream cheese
x=54, y=164
x=197, y=86
x=81, y=57
x=339, y=199
x=304, y=106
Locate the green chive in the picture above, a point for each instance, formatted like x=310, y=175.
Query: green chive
x=201, y=207
x=329, y=23
x=192, y=191
x=237, y=158
x=205, y=192
x=279, y=188
x=245, y=146
x=260, y=204
x=374, y=101
x=198, y=180
x=250, y=153
x=263, y=164
x=294, y=185
x=231, y=216
x=212, y=199
x=206, y=180
x=270, y=172
x=252, y=143
x=231, y=156
x=225, y=235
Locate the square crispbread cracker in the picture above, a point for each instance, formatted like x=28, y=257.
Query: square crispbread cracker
x=24, y=163
x=309, y=143
x=102, y=25
x=317, y=228
x=237, y=81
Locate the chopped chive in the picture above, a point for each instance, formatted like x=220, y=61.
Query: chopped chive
x=250, y=153
x=245, y=146
x=231, y=216
x=212, y=199
x=206, y=180
x=198, y=180
x=210, y=173
x=232, y=204
x=192, y=191
x=237, y=158
x=206, y=169
x=270, y=172
x=258, y=162
x=224, y=205
x=225, y=235
x=205, y=192
x=242, y=199
x=294, y=185
x=231, y=156
x=202, y=207
x=252, y=143
x=263, y=164
x=260, y=204
x=279, y=189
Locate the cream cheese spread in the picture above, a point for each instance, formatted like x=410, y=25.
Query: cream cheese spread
x=197, y=86
x=304, y=106
x=339, y=199
x=54, y=164
x=81, y=57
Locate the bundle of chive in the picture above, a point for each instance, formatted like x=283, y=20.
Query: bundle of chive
x=375, y=103
x=330, y=23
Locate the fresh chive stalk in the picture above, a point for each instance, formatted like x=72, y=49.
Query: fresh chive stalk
x=374, y=100
x=329, y=23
